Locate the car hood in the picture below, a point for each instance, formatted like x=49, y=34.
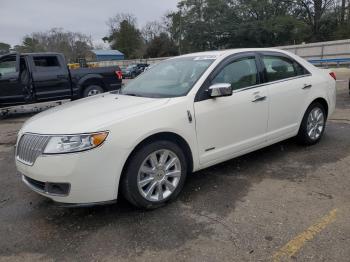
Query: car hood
x=90, y=114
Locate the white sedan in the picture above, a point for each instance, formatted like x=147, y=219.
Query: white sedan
x=182, y=115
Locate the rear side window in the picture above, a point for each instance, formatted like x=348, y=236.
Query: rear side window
x=240, y=74
x=46, y=62
x=278, y=68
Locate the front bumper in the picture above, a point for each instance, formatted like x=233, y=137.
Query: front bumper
x=47, y=188
x=87, y=177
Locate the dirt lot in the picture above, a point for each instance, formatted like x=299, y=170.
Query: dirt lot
x=282, y=203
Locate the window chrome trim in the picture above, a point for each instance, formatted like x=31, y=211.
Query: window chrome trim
x=271, y=83
x=265, y=84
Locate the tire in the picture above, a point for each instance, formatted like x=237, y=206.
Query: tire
x=92, y=90
x=310, y=122
x=136, y=192
x=133, y=75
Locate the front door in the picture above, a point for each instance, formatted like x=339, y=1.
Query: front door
x=227, y=126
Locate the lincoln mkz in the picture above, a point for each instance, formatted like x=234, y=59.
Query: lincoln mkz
x=180, y=116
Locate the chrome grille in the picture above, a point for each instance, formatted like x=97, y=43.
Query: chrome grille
x=30, y=146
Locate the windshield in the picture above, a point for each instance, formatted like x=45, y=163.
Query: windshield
x=170, y=78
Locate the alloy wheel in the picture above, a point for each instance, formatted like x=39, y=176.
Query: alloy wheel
x=159, y=175
x=315, y=123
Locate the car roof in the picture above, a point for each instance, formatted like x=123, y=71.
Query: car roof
x=31, y=54
x=233, y=51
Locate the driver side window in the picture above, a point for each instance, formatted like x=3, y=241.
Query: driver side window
x=8, y=65
x=240, y=74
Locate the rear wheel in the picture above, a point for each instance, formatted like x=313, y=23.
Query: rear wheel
x=313, y=124
x=155, y=175
x=92, y=90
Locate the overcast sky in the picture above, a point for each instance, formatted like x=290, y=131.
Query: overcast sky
x=20, y=17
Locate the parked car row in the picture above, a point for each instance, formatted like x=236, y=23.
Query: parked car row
x=134, y=70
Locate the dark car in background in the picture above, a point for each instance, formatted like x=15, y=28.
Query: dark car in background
x=134, y=70
x=41, y=77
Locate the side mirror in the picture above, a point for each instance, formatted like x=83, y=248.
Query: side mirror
x=219, y=90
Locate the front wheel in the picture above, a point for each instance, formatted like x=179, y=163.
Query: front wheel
x=313, y=124
x=155, y=174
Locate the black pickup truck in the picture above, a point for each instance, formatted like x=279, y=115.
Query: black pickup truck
x=41, y=77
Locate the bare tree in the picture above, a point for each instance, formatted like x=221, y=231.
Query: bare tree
x=152, y=29
x=115, y=21
x=73, y=45
x=315, y=10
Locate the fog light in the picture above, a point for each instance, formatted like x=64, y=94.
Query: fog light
x=60, y=189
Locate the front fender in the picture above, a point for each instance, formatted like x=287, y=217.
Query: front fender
x=171, y=118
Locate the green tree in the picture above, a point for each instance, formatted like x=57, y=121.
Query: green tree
x=161, y=46
x=125, y=36
x=216, y=24
x=4, y=48
x=30, y=44
x=202, y=24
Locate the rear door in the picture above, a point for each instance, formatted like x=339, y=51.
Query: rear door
x=288, y=86
x=50, y=77
x=10, y=88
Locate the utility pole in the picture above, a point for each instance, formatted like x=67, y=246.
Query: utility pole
x=343, y=11
x=180, y=30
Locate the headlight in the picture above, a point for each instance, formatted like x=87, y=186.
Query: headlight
x=74, y=143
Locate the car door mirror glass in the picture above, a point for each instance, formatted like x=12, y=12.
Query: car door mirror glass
x=220, y=89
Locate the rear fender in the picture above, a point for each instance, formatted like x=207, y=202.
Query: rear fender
x=90, y=77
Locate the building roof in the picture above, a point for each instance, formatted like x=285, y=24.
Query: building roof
x=107, y=52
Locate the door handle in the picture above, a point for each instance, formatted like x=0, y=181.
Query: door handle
x=259, y=99
x=306, y=86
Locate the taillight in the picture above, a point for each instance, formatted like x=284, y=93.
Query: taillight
x=332, y=74
x=119, y=74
